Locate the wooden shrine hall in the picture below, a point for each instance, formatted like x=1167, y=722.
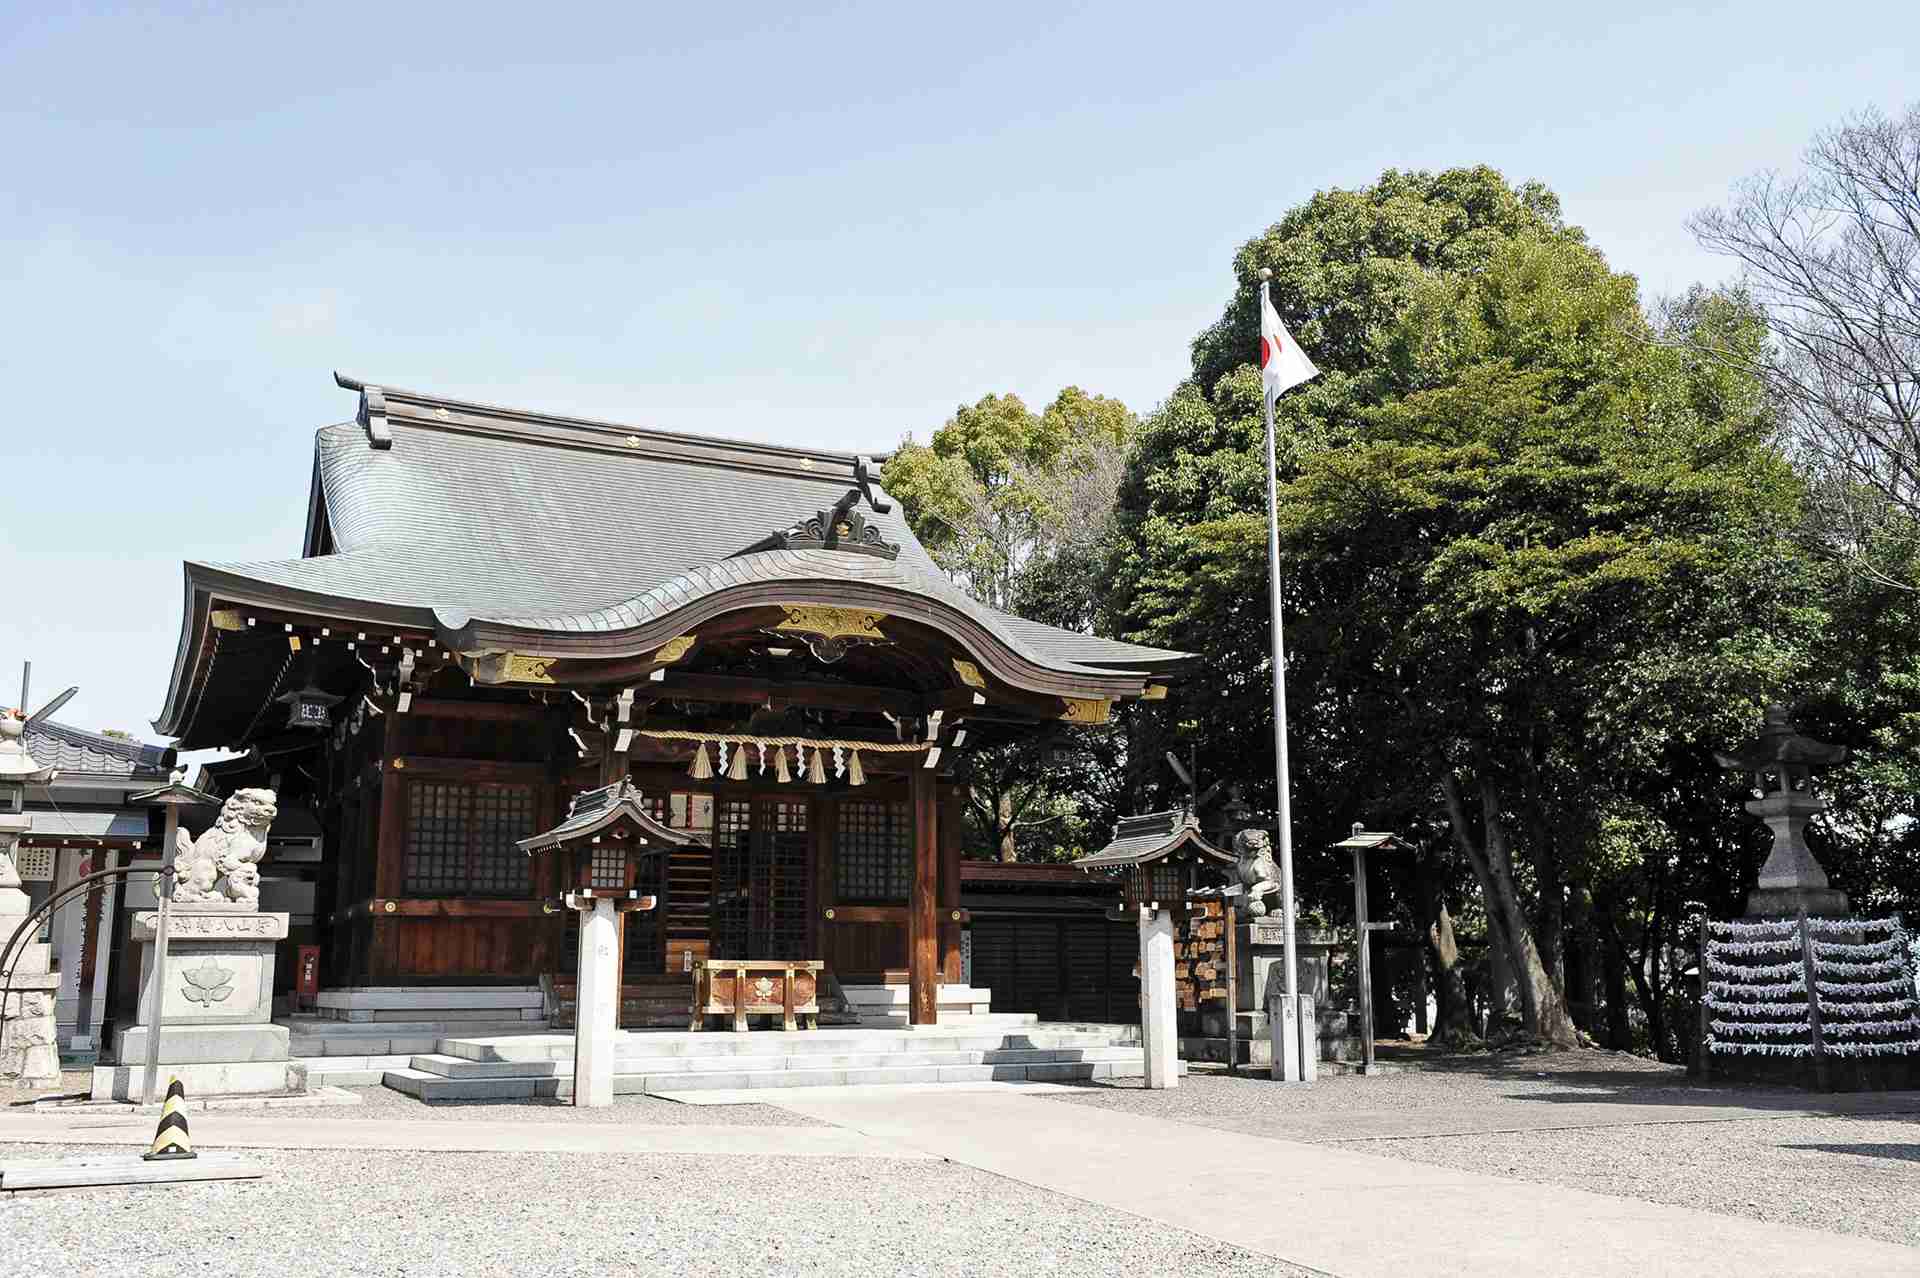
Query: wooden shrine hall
x=496, y=610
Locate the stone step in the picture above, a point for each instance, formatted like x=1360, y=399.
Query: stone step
x=311, y=1038
x=435, y=997
x=459, y=1067
x=767, y=1044
x=428, y=1085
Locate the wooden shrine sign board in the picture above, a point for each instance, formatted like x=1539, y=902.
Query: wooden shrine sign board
x=746, y=987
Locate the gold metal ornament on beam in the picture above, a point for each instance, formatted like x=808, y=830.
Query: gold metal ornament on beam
x=1087, y=710
x=969, y=673
x=832, y=623
x=674, y=649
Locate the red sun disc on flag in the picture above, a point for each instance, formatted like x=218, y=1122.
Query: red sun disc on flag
x=1266, y=352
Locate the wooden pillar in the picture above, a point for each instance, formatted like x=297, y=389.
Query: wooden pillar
x=950, y=816
x=390, y=850
x=923, y=936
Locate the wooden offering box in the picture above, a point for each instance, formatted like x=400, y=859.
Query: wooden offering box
x=746, y=987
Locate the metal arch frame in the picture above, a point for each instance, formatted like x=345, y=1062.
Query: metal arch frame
x=10, y=956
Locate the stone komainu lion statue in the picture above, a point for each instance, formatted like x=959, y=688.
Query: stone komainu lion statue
x=1259, y=876
x=224, y=864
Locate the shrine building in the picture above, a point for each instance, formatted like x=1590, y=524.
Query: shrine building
x=496, y=610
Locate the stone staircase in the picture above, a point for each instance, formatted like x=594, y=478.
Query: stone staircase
x=522, y=1066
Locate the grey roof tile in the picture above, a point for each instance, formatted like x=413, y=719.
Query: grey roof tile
x=74, y=750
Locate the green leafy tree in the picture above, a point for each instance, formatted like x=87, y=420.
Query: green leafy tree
x=1017, y=507
x=1503, y=496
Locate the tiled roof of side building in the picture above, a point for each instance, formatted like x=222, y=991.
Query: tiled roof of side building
x=74, y=750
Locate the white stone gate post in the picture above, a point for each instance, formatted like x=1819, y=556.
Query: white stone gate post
x=1159, y=1029
x=596, y=1002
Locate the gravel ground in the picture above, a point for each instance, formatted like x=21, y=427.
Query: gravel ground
x=382, y=1104
x=1484, y=1084
x=1856, y=1176
x=353, y=1213
x=1846, y=1175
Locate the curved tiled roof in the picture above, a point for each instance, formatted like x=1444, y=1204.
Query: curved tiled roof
x=77, y=751
x=450, y=516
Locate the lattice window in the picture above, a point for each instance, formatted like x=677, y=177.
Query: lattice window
x=873, y=854
x=460, y=839
x=609, y=866
x=732, y=831
x=780, y=890
x=35, y=865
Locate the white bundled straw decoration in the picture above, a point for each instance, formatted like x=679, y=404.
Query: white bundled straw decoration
x=1778, y=990
x=856, y=775
x=1865, y=1009
x=1900, y=1047
x=780, y=772
x=1731, y=927
x=1798, y=1008
x=1909, y=1023
x=1784, y=945
x=816, y=770
x=1759, y=1049
x=738, y=770
x=1885, y=968
x=1833, y=927
x=701, y=769
x=1903, y=985
x=1889, y=948
x=1756, y=972
x=1778, y=1029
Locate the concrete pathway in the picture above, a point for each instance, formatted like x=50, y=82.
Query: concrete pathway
x=1342, y=1212
x=477, y=1135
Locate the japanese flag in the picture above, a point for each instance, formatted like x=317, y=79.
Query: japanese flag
x=1283, y=365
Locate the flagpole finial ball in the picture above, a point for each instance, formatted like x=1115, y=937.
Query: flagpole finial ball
x=1266, y=273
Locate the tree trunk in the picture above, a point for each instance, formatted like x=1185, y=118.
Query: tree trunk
x=1008, y=852
x=1619, y=1025
x=1542, y=1005
x=1453, y=1007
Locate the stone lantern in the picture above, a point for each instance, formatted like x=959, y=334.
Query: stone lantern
x=1782, y=762
x=29, y=1049
x=600, y=846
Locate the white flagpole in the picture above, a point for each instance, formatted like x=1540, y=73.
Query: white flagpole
x=1301, y=1039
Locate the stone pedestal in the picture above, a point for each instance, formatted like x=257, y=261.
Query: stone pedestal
x=1260, y=954
x=1159, y=1027
x=29, y=1041
x=217, y=1009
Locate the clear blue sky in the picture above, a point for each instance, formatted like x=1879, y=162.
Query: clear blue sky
x=829, y=227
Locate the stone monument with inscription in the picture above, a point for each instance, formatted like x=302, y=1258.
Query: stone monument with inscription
x=217, y=1034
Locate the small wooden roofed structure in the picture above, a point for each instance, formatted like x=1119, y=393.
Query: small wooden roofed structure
x=1163, y=856
x=606, y=830
x=492, y=597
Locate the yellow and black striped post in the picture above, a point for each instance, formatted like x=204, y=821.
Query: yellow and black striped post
x=171, y=1139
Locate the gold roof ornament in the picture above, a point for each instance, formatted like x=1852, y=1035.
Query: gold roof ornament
x=969, y=673
x=674, y=649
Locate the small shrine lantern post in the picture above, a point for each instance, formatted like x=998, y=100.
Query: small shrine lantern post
x=1361, y=842
x=1162, y=856
x=600, y=845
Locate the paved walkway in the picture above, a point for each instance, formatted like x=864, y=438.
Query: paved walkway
x=1342, y=1212
x=310, y=1131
